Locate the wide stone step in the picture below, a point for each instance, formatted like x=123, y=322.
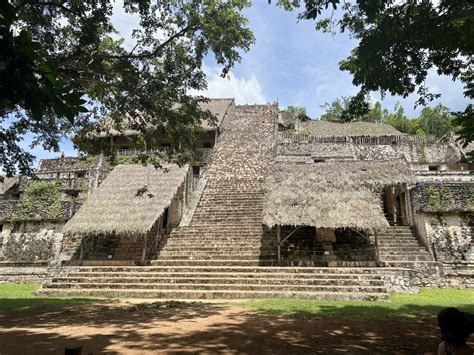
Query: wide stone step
x=217, y=280
x=213, y=262
x=401, y=252
x=231, y=227
x=216, y=230
x=211, y=244
x=225, y=212
x=218, y=235
x=224, y=294
x=231, y=269
x=220, y=249
x=236, y=218
x=397, y=236
x=277, y=277
x=224, y=192
x=212, y=256
x=213, y=219
x=203, y=242
x=402, y=249
x=238, y=193
x=219, y=287
x=335, y=263
x=229, y=208
x=407, y=264
x=410, y=241
x=403, y=258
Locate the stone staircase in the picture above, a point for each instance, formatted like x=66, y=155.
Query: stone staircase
x=398, y=246
x=226, y=227
x=220, y=282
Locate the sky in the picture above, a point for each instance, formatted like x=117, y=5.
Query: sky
x=291, y=63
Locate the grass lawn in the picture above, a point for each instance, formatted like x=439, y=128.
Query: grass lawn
x=15, y=297
x=402, y=306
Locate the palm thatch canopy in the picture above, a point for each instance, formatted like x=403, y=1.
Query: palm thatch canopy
x=326, y=128
x=217, y=107
x=332, y=194
x=117, y=208
x=7, y=183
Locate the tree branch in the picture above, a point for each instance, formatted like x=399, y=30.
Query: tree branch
x=465, y=15
x=148, y=54
x=55, y=4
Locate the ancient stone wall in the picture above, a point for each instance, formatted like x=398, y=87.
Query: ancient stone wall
x=317, y=149
x=443, y=197
x=177, y=206
x=444, y=177
x=113, y=248
x=449, y=235
x=21, y=272
x=31, y=246
x=419, y=154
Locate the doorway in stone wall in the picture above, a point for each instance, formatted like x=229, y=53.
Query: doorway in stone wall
x=396, y=205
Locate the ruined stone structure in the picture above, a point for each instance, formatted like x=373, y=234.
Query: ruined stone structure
x=276, y=208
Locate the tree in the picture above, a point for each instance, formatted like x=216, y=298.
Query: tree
x=437, y=121
x=401, y=122
x=64, y=69
x=334, y=110
x=299, y=112
x=343, y=109
x=400, y=41
x=377, y=113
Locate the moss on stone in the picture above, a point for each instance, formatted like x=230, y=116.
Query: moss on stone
x=438, y=198
x=40, y=199
x=470, y=201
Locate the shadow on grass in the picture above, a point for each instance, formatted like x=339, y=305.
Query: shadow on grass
x=401, y=306
x=27, y=304
x=278, y=326
x=353, y=311
x=194, y=327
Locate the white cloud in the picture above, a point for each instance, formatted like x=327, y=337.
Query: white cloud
x=243, y=90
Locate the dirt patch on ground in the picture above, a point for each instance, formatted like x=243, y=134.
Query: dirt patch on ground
x=177, y=327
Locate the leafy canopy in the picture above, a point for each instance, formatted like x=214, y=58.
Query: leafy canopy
x=399, y=43
x=64, y=68
x=299, y=112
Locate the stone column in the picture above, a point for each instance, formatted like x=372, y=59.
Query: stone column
x=326, y=237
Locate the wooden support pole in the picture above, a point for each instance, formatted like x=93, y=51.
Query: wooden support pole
x=278, y=244
x=144, y=248
x=81, y=253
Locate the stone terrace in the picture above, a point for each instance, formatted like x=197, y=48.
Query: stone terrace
x=223, y=252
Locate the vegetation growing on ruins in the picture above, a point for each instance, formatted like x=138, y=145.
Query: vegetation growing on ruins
x=40, y=199
x=434, y=198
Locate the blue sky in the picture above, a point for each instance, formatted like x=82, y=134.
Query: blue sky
x=291, y=63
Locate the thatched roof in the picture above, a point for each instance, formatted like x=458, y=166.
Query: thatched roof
x=115, y=208
x=326, y=128
x=68, y=164
x=330, y=195
x=7, y=183
x=217, y=107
